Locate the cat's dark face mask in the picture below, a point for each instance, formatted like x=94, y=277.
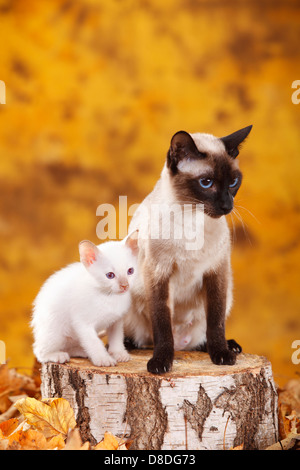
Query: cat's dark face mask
x=210, y=176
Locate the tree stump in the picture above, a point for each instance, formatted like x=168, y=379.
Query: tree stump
x=198, y=405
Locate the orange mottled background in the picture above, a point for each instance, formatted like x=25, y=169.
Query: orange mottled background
x=95, y=90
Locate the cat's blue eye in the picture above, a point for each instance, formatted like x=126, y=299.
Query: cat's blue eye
x=206, y=182
x=130, y=271
x=234, y=183
x=110, y=275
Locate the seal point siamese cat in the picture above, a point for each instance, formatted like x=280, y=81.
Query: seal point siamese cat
x=181, y=298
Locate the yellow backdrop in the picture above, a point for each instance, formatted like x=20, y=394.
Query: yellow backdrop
x=95, y=90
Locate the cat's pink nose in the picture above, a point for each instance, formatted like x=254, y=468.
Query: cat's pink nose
x=124, y=287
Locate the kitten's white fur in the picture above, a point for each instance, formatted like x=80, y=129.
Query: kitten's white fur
x=78, y=301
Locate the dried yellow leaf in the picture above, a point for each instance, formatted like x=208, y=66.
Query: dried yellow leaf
x=4, y=443
x=85, y=446
x=74, y=441
x=56, y=442
x=240, y=447
x=52, y=419
x=8, y=427
x=12, y=383
x=32, y=439
x=109, y=442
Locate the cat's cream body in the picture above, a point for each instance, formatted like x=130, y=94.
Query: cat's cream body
x=186, y=301
x=78, y=301
x=183, y=294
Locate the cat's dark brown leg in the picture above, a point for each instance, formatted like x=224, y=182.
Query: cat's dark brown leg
x=215, y=287
x=163, y=342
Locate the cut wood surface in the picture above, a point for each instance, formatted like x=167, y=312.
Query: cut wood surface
x=198, y=405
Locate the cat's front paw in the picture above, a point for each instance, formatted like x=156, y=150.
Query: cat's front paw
x=120, y=356
x=158, y=365
x=234, y=346
x=58, y=356
x=104, y=361
x=223, y=357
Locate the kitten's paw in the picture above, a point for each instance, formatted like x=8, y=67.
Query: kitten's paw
x=234, y=346
x=223, y=357
x=58, y=356
x=104, y=361
x=120, y=356
x=159, y=366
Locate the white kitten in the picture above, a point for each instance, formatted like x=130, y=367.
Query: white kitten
x=83, y=298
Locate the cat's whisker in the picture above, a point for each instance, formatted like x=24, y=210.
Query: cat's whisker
x=249, y=212
x=243, y=223
x=238, y=215
x=233, y=227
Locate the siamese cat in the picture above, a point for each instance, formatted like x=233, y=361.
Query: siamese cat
x=182, y=297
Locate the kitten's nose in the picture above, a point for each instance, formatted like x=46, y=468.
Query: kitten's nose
x=124, y=287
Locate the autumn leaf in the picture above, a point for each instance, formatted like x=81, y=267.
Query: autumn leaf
x=52, y=418
x=123, y=445
x=240, y=447
x=47, y=424
x=289, y=408
x=29, y=439
x=56, y=442
x=4, y=444
x=109, y=442
x=12, y=383
x=8, y=427
x=74, y=441
x=20, y=436
x=285, y=444
x=32, y=439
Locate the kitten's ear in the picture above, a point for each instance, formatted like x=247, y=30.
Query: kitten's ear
x=182, y=146
x=233, y=141
x=89, y=253
x=132, y=242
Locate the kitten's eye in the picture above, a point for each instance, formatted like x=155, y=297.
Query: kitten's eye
x=206, y=182
x=234, y=183
x=110, y=275
x=130, y=271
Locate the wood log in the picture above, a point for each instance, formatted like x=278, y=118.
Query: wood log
x=198, y=405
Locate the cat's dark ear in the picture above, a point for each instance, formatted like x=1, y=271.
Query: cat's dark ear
x=132, y=242
x=233, y=141
x=182, y=146
x=89, y=253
